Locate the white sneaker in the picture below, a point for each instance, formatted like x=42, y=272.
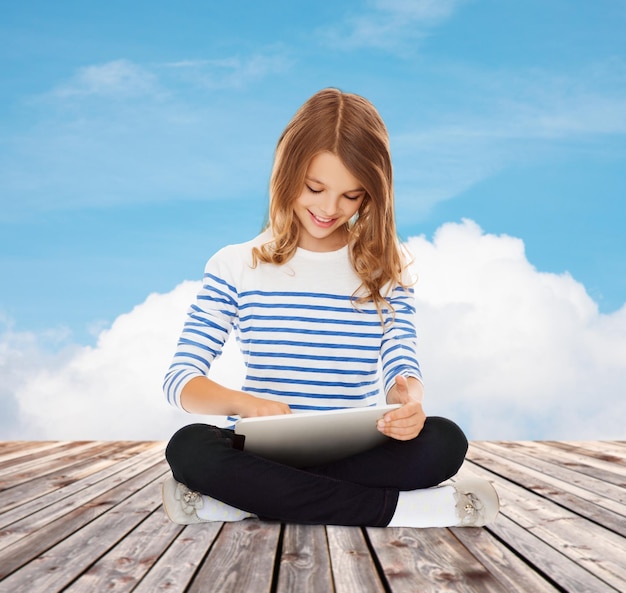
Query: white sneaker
x=180, y=503
x=477, y=502
x=185, y=506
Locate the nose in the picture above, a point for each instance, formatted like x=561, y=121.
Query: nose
x=329, y=204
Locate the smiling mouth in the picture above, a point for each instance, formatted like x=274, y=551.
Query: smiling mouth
x=321, y=221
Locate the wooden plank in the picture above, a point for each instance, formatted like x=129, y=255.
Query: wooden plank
x=430, y=561
x=95, y=498
x=41, y=491
x=11, y=451
x=507, y=567
x=599, y=553
x=36, y=464
x=607, y=495
x=598, y=451
x=174, y=570
x=61, y=564
x=613, y=448
x=567, y=575
x=125, y=564
x=354, y=570
x=611, y=463
x=588, y=466
x=242, y=559
x=38, y=541
x=304, y=561
x=39, y=456
x=96, y=524
x=579, y=500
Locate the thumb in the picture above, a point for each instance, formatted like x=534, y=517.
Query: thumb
x=402, y=384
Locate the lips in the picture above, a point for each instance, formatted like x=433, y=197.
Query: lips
x=322, y=221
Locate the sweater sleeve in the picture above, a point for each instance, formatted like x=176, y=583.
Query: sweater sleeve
x=399, y=343
x=207, y=326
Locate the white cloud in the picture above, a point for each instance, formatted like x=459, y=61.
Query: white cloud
x=125, y=133
x=507, y=351
x=513, y=352
x=125, y=79
x=118, y=78
x=232, y=72
x=389, y=25
x=112, y=390
x=507, y=119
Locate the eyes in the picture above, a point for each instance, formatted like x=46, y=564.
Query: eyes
x=350, y=196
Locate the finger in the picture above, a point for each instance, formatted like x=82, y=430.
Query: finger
x=407, y=432
x=403, y=434
x=406, y=411
x=404, y=424
x=404, y=421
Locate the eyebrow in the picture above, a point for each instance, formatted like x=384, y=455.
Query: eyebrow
x=350, y=191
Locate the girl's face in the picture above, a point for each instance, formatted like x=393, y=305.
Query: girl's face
x=331, y=196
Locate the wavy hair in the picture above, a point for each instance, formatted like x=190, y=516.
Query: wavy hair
x=348, y=126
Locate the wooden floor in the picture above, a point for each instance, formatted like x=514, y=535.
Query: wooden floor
x=87, y=517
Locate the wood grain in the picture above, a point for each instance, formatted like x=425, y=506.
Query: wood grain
x=87, y=516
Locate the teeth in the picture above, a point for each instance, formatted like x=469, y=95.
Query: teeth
x=322, y=219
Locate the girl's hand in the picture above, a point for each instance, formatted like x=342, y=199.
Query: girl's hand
x=257, y=406
x=406, y=422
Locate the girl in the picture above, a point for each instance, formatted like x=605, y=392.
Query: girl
x=321, y=303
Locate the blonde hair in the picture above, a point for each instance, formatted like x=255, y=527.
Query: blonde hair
x=349, y=127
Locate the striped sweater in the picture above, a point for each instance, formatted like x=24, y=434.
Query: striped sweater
x=303, y=340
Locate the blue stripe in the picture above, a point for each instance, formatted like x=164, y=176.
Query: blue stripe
x=397, y=359
x=223, y=296
x=221, y=281
x=325, y=408
x=312, y=383
x=310, y=357
x=314, y=332
x=387, y=351
x=290, y=294
x=204, y=318
x=212, y=299
x=186, y=365
x=309, y=344
x=296, y=319
x=305, y=306
x=193, y=357
x=175, y=382
x=398, y=370
x=277, y=367
x=203, y=334
x=358, y=397
x=351, y=334
x=187, y=342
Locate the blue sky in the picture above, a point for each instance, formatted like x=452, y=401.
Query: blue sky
x=136, y=138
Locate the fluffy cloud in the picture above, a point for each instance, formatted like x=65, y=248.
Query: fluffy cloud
x=110, y=391
x=507, y=351
x=512, y=352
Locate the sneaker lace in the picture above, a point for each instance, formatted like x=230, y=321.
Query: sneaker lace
x=190, y=500
x=468, y=507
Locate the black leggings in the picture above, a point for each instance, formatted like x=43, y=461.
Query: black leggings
x=359, y=490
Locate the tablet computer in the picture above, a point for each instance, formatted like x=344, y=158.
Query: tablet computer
x=308, y=439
